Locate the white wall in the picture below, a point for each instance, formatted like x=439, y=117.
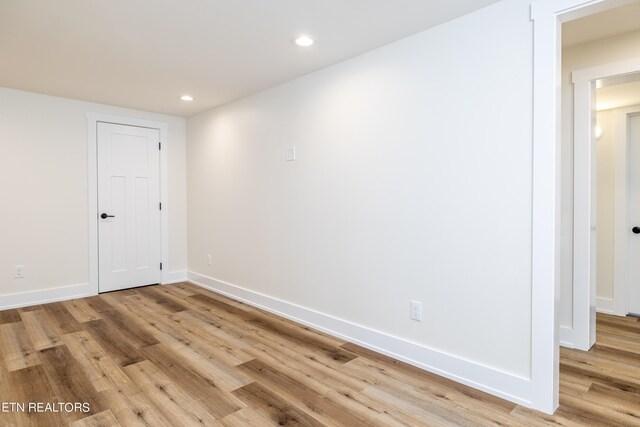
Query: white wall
x=43, y=188
x=605, y=152
x=413, y=181
x=578, y=57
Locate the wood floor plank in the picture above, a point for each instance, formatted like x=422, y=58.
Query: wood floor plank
x=619, y=320
x=302, y=338
x=227, y=377
x=41, y=328
x=180, y=292
x=335, y=387
x=69, y=380
x=8, y=393
x=134, y=332
x=230, y=331
x=81, y=310
x=338, y=379
x=191, y=288
x=561, y=418
x=395, y=369
x=424, y=414
x=102, y=419
x=217, y=341
x=448, y=403
x=273, y=407
x=149, y=304
x=626, y=404
x=597, y=414
x=98, y=304
x=617, y=354
x=102, y=371
x=246, y=417
x=308, y=399
x=574, y=384
x=438, y=396
x=10, y=316
x=269, y=333
x=244, y=328
x=162, y=299
x=31, y=384
x=30, y=308
x=65, y=322
x=627, y=331
x=224, y=308
x=176, y=405
x=618, y=342
x=17, y=350
x=133, y=409
x=193, y=380
x=113, y=342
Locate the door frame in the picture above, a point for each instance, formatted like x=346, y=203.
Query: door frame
x=584, y=260
x=547, y=17
x=621, y=209
x=92, y=186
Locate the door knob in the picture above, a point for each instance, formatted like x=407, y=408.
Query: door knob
x=105, y=216
x=636, y=230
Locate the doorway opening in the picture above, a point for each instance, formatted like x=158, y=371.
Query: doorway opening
x=617, y=180
x=551, y=289
x=601, y=66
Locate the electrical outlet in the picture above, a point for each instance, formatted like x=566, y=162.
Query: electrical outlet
x=416, y=311
x=18, y=271
x=209, y=260
x=290, y=154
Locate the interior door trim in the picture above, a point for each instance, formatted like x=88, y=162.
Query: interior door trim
x=92, y=186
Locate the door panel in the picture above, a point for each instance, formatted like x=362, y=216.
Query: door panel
x=634, y=214
x=129, y=191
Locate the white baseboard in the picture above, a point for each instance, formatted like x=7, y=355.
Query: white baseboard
x=605, y=305
x=174, y=277
x=490, y=380
x=25, y=299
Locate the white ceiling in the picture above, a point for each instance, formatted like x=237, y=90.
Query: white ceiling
x=144, y=54
x=605, y=24
x=619, y=95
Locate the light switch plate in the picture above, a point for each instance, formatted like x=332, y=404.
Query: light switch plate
x=290, y=154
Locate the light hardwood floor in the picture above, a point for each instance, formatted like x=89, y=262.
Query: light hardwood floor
x=180, y=355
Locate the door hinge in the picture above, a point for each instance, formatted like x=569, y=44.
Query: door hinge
x=159, y=145
x=160, y=205
x=160, y=266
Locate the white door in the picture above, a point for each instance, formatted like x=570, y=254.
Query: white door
x=128, y=206
x=634, y=215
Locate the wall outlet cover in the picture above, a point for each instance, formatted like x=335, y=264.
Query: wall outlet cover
x=290, y=154
x=416, y=311
x=18, y=271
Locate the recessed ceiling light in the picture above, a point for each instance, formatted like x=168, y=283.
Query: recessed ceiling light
x=303, y=41
x=186, y=98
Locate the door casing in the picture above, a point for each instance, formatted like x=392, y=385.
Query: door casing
x=92, y=186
